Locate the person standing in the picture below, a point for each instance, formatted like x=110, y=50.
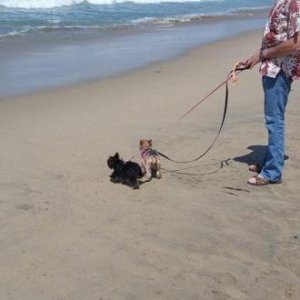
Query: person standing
x=280, y=66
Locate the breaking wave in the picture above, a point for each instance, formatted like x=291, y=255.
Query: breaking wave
x=29, y=4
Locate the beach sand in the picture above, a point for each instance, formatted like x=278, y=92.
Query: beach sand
x=68, y=233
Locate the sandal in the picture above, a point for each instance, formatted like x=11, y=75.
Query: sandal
x=255, y=168
x=260, y=180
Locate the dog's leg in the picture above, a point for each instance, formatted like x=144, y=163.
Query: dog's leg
x=158, y=171
x=114, y=177
x=143, y=168
x=135, y=185
x=133, y=182
x=148, y=170
x=148, y=174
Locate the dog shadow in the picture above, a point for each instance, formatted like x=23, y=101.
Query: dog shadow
x=256, y=155
x=127, y=183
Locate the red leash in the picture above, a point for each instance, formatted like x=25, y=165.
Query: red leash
x=239, y=70
x=202, y=100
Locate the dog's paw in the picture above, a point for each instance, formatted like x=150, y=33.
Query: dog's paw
x=145, y=179
x=115, y=179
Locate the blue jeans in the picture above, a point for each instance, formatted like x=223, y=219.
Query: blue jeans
x=276, y=96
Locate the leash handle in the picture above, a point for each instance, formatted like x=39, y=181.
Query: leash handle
x=223, y=117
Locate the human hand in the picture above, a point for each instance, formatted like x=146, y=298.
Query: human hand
x=251, y=61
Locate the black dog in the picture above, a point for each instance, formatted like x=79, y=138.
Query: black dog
x=124, y=172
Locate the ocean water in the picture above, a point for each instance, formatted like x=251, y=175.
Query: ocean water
x=50, y=43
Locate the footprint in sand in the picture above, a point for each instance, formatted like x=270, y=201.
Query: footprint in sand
x=226, y=279
x=25, y=206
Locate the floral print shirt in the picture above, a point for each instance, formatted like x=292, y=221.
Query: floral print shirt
x=282, y=24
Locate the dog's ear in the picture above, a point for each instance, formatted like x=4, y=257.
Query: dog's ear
x=116, y=155
x=150, y=142
x=141, y=142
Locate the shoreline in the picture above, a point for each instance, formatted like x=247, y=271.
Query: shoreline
x=69, y=233
x=45, y=65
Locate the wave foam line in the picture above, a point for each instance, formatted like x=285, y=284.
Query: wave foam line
x=54, y=25
x=29, y=4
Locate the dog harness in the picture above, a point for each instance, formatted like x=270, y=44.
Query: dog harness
x=146, y=153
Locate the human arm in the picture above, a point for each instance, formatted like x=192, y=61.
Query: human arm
x=283, y=49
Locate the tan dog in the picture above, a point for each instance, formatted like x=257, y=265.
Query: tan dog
x=150, y=160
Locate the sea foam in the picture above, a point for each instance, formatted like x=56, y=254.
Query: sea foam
x=28, y=4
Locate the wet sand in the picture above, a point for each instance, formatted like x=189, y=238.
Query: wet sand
x=68, y=233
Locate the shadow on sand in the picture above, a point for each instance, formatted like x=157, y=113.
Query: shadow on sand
x=257, y=155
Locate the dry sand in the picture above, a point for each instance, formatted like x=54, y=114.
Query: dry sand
x=68, y=233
